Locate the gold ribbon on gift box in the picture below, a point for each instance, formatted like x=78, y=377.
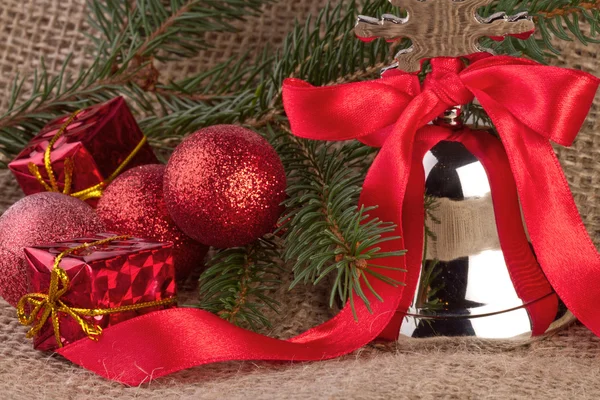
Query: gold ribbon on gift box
x=91, y=192
x=49, y=305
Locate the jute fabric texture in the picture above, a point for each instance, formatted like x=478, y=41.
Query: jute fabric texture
x=563, y=365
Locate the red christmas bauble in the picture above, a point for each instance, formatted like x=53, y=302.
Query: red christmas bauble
x=133, y=204
x=40, y=218
x=224, y=186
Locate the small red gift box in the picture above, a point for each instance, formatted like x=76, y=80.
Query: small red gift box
x=97, y=141
x=106, y=283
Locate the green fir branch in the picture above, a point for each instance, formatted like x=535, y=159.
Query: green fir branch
x=325, y=232
x=132, y=37
x=239, y=283
x=58, y=95
x=220, y=95
x=554, y=20
x=166, y=30
x=322, y=51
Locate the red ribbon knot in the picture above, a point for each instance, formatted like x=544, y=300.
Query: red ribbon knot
x=445, y=81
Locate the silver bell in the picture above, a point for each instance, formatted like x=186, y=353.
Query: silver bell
x=464, y=286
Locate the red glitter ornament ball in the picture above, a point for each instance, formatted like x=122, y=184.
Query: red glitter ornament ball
x=224, y=186
x=133, y=204
x=44, y=217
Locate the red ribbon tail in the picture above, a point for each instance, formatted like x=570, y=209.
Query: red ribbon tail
x=564, y=249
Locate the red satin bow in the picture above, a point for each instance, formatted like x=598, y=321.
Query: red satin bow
x=528, y=103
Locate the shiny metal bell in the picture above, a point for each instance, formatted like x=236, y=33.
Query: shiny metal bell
x=464, y=287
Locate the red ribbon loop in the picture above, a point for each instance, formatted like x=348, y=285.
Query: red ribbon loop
x=528, y=103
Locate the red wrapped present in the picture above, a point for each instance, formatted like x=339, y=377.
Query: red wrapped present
x=83, y=285
x=81, y=153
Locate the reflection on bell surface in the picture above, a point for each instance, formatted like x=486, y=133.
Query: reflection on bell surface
x=465, y=288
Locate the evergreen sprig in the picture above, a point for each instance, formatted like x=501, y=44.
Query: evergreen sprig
x=325, y=231
x=322, y=51
x=554, y=19
x=52, y=96
x=162, y=29
x=237, y=284
x=133, y=36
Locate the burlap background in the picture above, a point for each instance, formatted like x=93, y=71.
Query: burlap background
x=566, y=365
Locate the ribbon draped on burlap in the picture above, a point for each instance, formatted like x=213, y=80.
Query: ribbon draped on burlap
x=529, y=104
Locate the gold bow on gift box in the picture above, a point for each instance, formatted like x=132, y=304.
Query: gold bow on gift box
x=49, y=305
x=91, y=192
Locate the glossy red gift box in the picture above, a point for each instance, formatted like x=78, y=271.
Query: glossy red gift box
x=98, y=141
x=120, y=273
